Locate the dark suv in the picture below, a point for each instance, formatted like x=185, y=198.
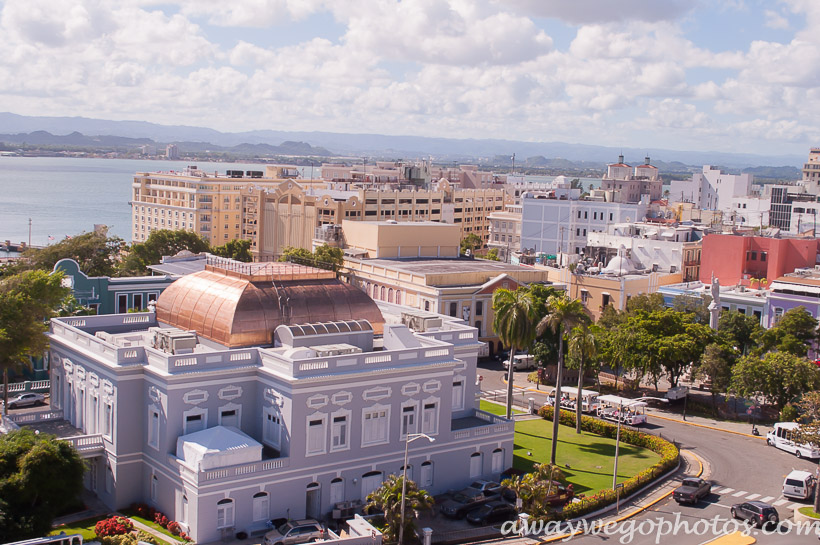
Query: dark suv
x=756, y=512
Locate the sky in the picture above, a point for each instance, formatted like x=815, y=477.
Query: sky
x=706, y=75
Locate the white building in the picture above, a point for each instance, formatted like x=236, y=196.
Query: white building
x=553, y=225
x=505, y=231
x=711, y=189
x=749, y=211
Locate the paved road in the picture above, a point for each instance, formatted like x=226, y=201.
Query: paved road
x=741, y=468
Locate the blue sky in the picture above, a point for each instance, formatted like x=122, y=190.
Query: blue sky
x=725, y=75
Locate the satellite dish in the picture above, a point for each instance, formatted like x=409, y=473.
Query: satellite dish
x=468, y=252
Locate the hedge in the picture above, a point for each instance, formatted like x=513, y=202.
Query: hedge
x=669, y=453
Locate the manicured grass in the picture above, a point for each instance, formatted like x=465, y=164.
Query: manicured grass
x=809, y=512
x=495, y=408
x=83, y=527
x=151, y=524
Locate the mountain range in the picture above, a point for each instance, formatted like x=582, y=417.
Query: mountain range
x=60, y=130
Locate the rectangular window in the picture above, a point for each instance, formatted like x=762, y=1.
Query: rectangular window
x=194, y=423
x=108, y=422
x=374, y=427
x=316, y=436
x=458, y=395
x=122, y=303
x=138, y=301
x=429, y=418
x=408, y=420
x=153, y=430
x=762, y=256
x=273, y=426
x=479, y=308
x=339, y=433
x=453, y=309
x=229, y=417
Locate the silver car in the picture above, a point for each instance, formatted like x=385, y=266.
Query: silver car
x=27, y=400
x=294, y=532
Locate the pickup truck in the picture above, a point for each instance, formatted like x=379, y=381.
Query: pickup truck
x=692, y=490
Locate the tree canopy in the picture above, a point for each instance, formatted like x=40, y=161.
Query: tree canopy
x=777, y=376
x=39, y=477
x=514, y=323
x=240, y=250
x=471, y=242
x=388, y=497
x=794, y=333
x=96, y=253
x=160, y=243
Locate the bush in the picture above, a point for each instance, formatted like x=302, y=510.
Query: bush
x=788, y=413
x=114, y=526
x=670, y=455
x=161, y=519
x=125, y=539
x=142, y=535
x=174, y=528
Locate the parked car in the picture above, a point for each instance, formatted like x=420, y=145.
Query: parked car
x=523, y=362
x=492, y=513
x=463, y=502
x=492, y=488
x=756, y=512
x=799, y=485
x=692, y=490
x=295, y=532
x=27, y=400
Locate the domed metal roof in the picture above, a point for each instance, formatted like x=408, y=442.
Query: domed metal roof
x=242, y=304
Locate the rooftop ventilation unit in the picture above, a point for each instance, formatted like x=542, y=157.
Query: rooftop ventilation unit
x=173, y=340
x=326, y=350
x=421, y=322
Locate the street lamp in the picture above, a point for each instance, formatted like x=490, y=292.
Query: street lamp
x=618, y=434
x=407, y=440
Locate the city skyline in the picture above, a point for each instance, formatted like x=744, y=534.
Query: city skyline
x=731, y=76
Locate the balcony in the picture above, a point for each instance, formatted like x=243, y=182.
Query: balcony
x=480, y=423
x=228, y=473
x=87, y=446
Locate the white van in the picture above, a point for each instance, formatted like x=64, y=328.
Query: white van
x=799, y=485
x=782, y=437
x=523, y=362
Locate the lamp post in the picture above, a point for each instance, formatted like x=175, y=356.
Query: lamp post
x=618, y=434
x=407, y=440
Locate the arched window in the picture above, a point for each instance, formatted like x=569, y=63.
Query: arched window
x=371, y=481
x=154, y=486
x=426, y=474
x=224, y=513
x=390, y=295
x=398, y=297
x=382, y=293
x=313, y=501
x=498, y=461
x=337, y=491
x=261, y=506
x=475, y=465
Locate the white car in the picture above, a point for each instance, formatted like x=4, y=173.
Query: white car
x=27, y=400
x=523, y=362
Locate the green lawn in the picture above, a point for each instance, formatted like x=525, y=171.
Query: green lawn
x=83, y=527
x=495, y=408
x=589, y=456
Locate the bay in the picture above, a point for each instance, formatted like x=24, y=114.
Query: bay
x=67, y=196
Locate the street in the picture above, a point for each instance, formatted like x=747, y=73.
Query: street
x=740, y=468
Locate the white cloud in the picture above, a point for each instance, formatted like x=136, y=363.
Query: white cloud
x=776, y=20
x=604, y=11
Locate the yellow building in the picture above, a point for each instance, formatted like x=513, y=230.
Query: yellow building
x=391, y=239
x=207, y=203
x=596, y=291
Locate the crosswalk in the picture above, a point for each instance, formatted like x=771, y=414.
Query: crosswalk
x=743, y=495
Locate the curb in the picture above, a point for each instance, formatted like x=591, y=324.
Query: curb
x=714, y=428
x=637, y=511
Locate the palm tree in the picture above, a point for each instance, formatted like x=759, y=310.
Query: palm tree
x=514, y=323
x=563, y=314
x=387, y=498
x=582, y=345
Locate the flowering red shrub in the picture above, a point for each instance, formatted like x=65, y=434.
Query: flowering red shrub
x=161, y=519
x=114, y=526
x=174, y=528
x=185, y=536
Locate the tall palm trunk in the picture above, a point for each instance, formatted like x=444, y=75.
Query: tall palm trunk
x=510, y=382
x=579, y=399
x=556, y=413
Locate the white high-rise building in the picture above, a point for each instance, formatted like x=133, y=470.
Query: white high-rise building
x=711, y=189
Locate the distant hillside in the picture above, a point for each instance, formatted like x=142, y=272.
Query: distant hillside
x=481, y=151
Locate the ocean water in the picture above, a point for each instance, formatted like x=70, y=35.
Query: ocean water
x=67, y=196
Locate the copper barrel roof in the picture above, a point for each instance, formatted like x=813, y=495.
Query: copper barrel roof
x=242, y=306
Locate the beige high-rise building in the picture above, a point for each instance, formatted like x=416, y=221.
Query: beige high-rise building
x=207, y=203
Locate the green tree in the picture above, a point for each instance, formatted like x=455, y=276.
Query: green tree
x=27, y=301
x=778, y=377
x=471, y=242
x=647, y=302
x=492, y=255
x=39, y=477
x=330, y=255
x=534, y=488
x=240, y=250
x=794, y=333
x=583, y=346
x=698, y=306
x=514, y=323
x=96, y=252
x=69, y=306
x=716, y=363
x=740, y=330
x=563, y=314
x=162, y=242
x=289, y=252
x=387, y=498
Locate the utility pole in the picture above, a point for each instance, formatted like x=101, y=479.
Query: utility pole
x=513, y=164
x=29, y=232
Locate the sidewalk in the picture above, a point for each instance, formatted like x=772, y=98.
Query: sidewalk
x=738, y=428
